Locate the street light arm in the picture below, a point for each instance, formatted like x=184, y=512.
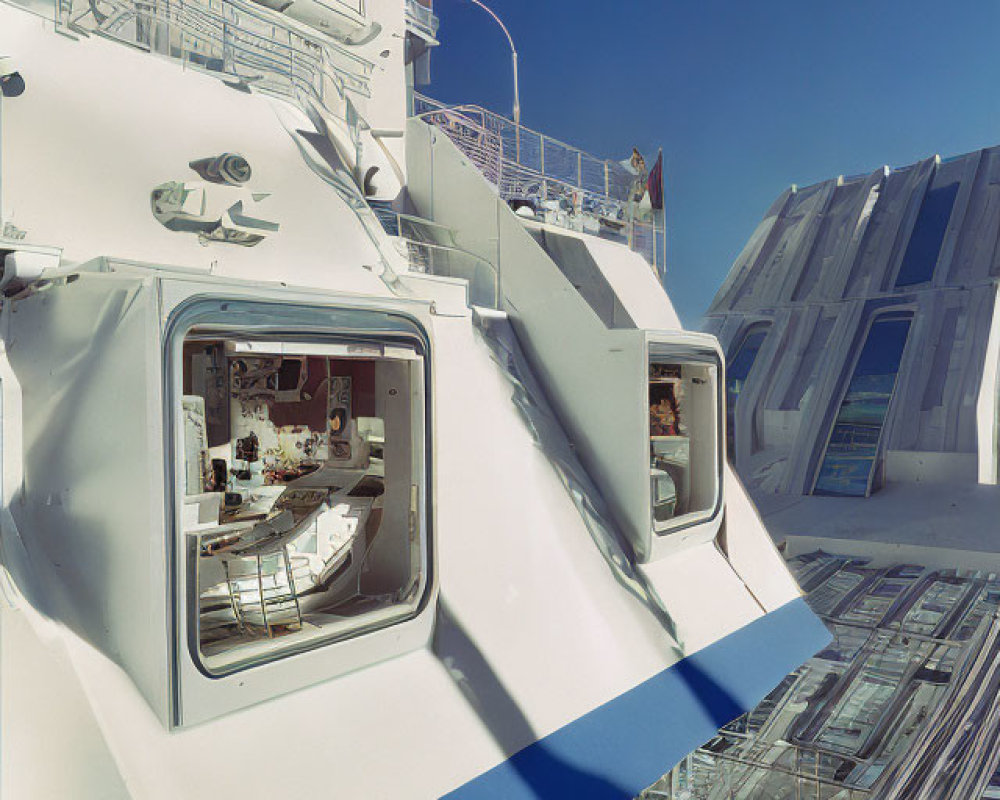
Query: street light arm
x=499, y=22
x=513, y=55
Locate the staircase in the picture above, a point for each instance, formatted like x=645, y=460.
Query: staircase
x=431, y=249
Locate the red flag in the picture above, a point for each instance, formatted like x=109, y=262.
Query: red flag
x=654, y=185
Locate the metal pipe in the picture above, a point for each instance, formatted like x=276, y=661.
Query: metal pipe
x=517, y=109
x=541, y=150
x=655, y=270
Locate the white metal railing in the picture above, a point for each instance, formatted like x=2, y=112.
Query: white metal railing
x=567, y=186
x=453, y=262
x=431, y=248
x=234, y=39
x=422, y=17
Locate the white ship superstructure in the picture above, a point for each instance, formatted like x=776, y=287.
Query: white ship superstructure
x=335, y=462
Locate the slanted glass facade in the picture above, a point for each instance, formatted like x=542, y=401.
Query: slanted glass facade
x=852, y=449
x=737, y=371
x=924, y=247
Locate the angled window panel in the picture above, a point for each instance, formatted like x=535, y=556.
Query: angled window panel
x=852, y=449
x=879, y=231
x=925, y=242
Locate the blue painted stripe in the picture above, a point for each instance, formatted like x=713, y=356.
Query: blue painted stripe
x=623, y=746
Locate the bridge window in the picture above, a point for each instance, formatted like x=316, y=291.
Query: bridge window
x=684, y=417
x=303, y=466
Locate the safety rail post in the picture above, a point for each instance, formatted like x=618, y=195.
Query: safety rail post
x=517, y=142
x=607, y=190
x=545, y=185
x=500, y=161
x=653, y=237
x=579, y=169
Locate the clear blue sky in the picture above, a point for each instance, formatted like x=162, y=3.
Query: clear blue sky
x=745, y=98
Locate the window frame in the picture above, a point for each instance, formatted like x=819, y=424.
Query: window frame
x=265, y=320
x=667, y=352
x=907, y=310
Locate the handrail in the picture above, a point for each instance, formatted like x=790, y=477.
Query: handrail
x=436, y=105
x=428, y=223
x=219, y=35
x=456, y=262
x=552, y=179
x=615, y=180
x=483, y=290
x=450, y=249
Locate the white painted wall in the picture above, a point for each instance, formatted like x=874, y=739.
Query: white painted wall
x=988, y=405
x=83, y=151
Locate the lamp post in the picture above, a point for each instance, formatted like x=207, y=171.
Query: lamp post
x=513, y=57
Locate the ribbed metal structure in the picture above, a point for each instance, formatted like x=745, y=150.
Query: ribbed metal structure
x=822, y=267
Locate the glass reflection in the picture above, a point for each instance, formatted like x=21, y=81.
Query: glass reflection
x=299, y=479
x=853, y=446
x=683, y=448
x=924, y=247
